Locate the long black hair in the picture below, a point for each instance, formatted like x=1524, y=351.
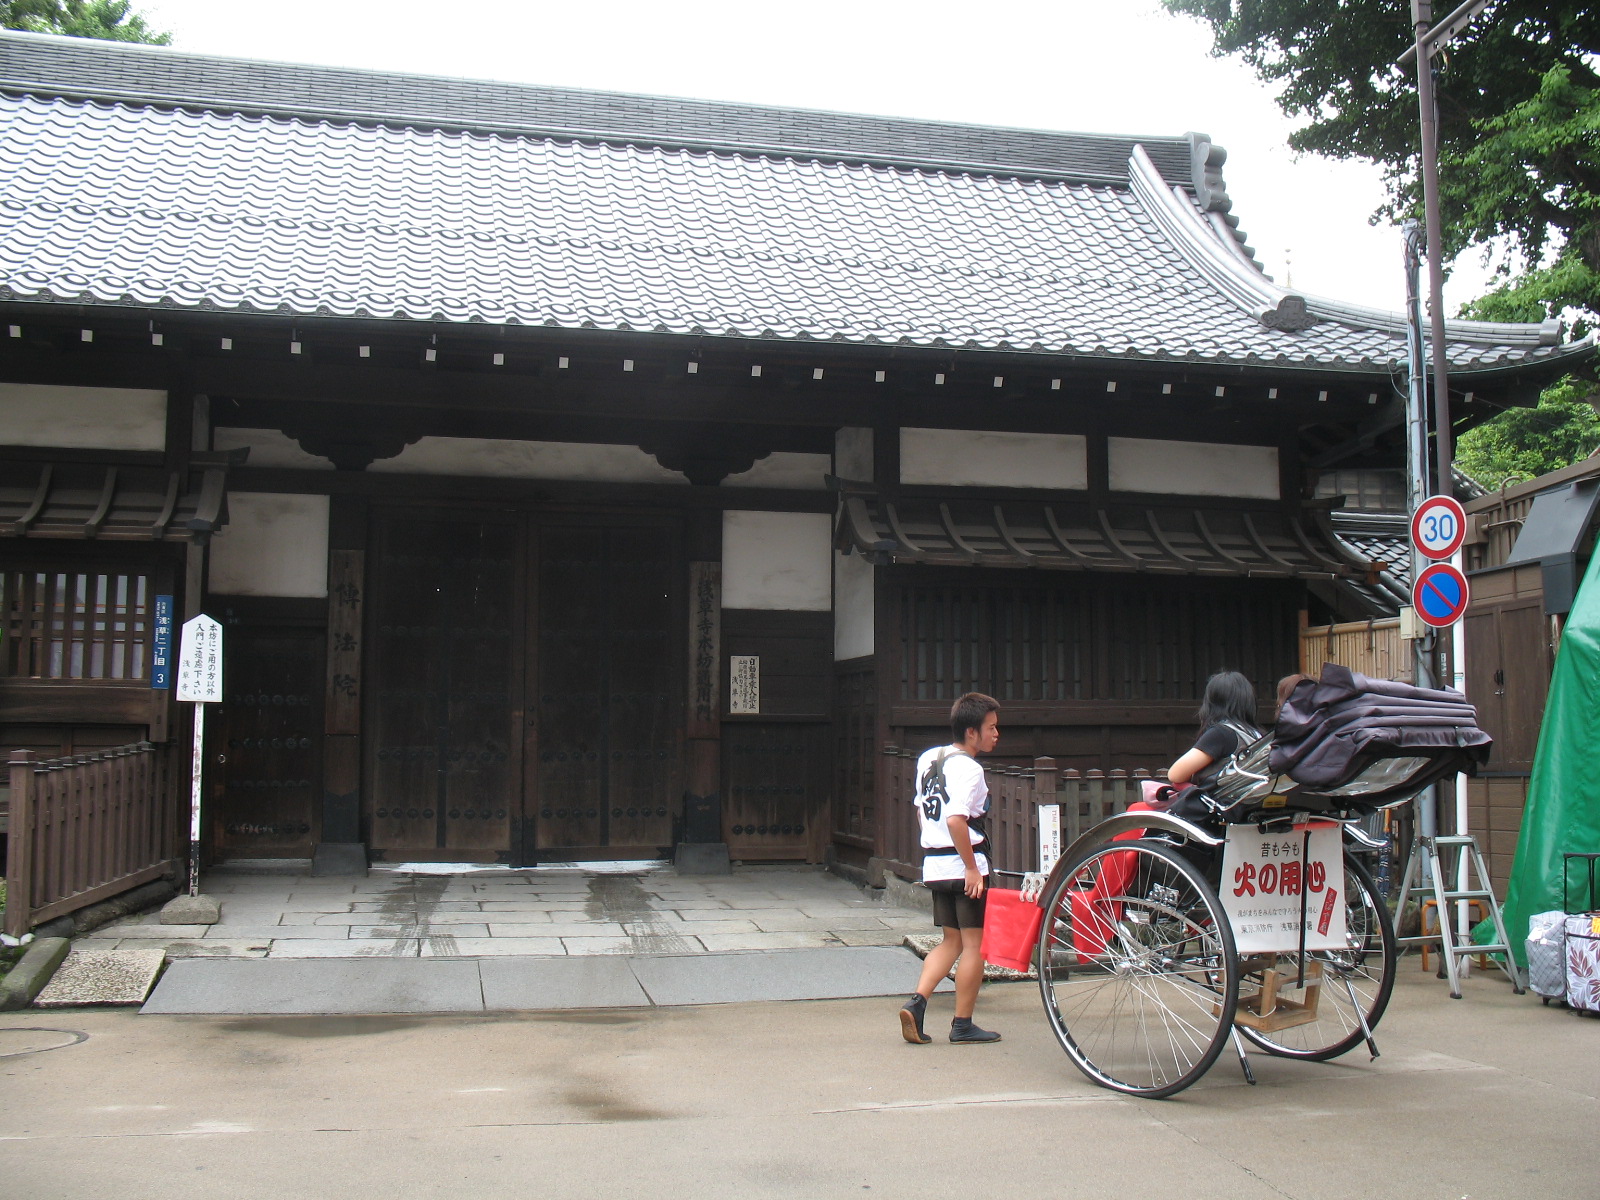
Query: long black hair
x=1229, y=697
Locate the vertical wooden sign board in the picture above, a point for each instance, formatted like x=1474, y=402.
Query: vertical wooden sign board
x=705, y=648
x=199, y=683
x=343, y=715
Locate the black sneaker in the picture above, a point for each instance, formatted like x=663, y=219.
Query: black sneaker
x=911, y=1014
x=963, y=1030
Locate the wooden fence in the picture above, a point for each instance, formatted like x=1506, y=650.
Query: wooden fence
x=1015, y=794
x=1373, y=648
x=83, y=828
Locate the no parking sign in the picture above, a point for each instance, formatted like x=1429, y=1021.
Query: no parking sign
x=1440, y=595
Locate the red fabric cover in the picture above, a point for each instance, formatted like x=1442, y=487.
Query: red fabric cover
x=1010, y=929
x=1094, y=914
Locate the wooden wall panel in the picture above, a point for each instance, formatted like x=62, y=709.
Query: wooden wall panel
x=267, y=748
x=1495, y=805
x=1509, y=664
x=608, y=771
x=1095, y=672
x=796, y=652
x=776, y=781
x=856, y=751
x=643, y=731
x=443, y=755
x=1059, y=639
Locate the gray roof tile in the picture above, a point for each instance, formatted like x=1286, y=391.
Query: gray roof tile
x=210, y=207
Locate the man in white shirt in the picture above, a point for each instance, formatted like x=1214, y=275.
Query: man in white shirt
x=951, y=801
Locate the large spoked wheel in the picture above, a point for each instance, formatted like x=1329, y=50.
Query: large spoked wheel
x=1137, y=968
x=1355, y=983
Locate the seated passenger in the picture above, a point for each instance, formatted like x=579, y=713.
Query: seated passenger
x=1227, y=722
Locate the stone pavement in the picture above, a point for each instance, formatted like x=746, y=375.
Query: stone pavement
x=412, y=911
x=1492, y=1097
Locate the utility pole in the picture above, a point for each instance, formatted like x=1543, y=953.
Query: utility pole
x=1424, y=862
x=1429, y=41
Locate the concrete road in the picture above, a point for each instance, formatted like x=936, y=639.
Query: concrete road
x=1491, y=1096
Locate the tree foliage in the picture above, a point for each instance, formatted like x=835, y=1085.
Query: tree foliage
x=1519, y=119
x=1527, y=442
x=108, y=20
x=1519, y=161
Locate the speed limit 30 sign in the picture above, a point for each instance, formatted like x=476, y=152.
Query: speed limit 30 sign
x=1438, y=527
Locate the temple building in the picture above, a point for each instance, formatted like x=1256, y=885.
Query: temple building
x=580, y=475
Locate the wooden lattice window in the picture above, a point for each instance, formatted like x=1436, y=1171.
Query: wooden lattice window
x=1083, y=637
x=76, y=624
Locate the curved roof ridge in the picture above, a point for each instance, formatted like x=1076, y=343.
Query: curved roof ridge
x=159, y=76
x=1221, y=261
x=1212, y=246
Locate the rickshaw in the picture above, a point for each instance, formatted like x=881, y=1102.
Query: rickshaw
x=1245, y=911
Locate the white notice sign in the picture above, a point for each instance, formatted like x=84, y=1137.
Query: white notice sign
x=744, y=683
x=1049, y=836
x=1263, y=875
x=200, y=661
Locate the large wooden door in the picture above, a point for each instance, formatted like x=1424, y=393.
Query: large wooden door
x=444, y=706
x=270, y=764
x=605, y=775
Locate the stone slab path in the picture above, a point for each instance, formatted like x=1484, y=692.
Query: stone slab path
x=334, y=986
x=417, y=912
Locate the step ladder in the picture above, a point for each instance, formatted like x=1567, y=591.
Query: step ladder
x=1425, y=878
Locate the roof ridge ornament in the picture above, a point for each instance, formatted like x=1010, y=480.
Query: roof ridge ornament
x=1291, y=314
x=1205, y=167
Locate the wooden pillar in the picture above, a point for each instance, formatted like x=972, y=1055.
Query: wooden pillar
x=341, y=850
x=20, y=844
x=703, y=850
x=890, y=804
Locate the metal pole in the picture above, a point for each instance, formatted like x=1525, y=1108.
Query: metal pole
x=1427, y=804
x=196, y=773
x=1458, y=648
x=1422, y=16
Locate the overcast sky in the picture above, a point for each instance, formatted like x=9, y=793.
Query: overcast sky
x=1107, y=66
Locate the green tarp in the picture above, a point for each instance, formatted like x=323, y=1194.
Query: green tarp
x=1563, y=812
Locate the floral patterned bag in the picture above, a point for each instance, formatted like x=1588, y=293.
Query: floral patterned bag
x=1583, y=962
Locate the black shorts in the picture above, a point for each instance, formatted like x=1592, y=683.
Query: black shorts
x=953, y=908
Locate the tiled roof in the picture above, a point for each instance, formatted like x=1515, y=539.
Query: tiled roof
x=1382, y=538
x=85, y=69
x=442, y=214
x=77, y=500
x=1264, y=543
x=1267, y=543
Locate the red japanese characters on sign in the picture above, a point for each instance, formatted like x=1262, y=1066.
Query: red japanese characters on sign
x=1273, y=879
x=1264, y=876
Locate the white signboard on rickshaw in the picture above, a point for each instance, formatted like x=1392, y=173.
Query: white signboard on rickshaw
x=1270, y=879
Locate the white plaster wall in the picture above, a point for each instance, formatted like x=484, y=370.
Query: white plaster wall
x=964, y=458
x=269, y=448
x=273, y=545
x=777, y=560
x=852, y=606
x=783, y=469
x=527, y=460
x=82, y=418
x=1193, y=468
x=852, y=454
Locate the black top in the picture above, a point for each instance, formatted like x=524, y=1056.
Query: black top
x=1221, y=742
x=1217, y=742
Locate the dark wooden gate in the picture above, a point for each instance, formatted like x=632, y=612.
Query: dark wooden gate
x=271, y=731
x=605, y=774
x=444, y=637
